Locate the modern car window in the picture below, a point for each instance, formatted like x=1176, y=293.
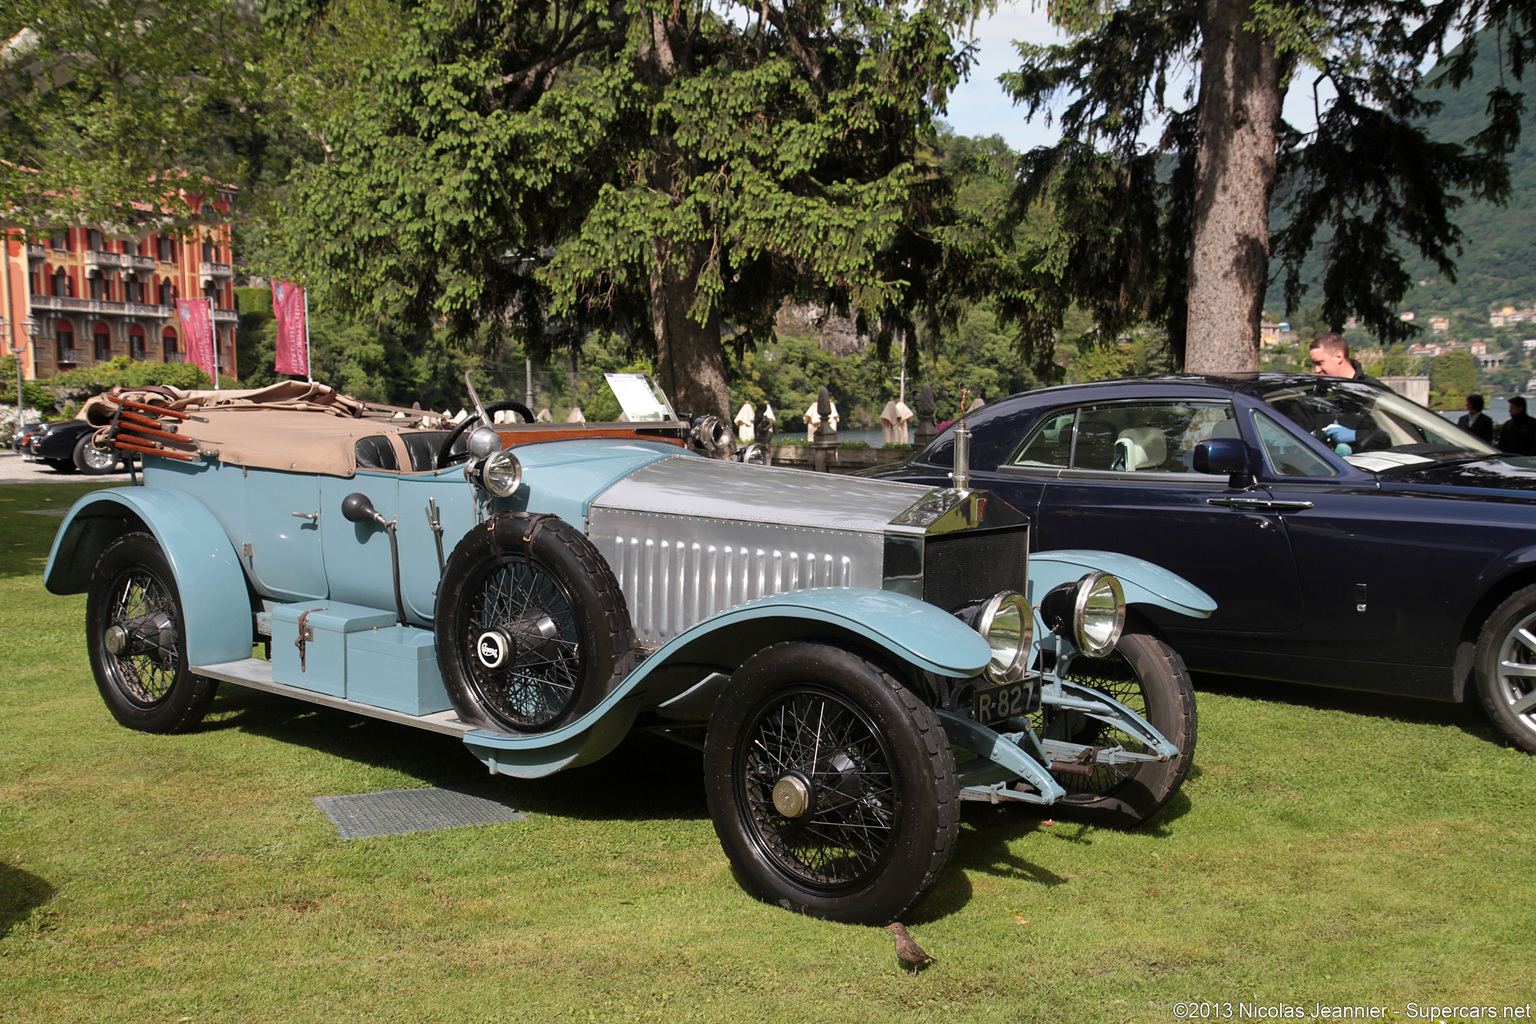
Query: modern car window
x=1129, y=437
x=1050, y=444
x=1372, y=428
x=1285, y=453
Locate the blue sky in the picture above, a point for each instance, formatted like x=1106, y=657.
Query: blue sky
x=980, y=107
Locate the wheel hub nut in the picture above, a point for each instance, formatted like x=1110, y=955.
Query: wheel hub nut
x=115, y=640
x=791, y=796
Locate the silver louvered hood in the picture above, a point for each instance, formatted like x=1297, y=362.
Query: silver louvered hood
x=689, y=537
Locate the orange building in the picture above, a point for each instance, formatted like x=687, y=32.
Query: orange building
x=93, y=296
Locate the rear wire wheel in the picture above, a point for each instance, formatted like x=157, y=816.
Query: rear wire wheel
x=136, y=638
x=1149, y=677
x=831, y=786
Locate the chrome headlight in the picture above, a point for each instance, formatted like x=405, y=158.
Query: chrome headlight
x=1092, y=610
x=501, y=473
x=1008, y=627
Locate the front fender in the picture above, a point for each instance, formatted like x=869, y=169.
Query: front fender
x=214, y=599
x=1144, y=582
x=910, y=631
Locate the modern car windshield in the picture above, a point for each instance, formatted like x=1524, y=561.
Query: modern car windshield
x=1372, y=428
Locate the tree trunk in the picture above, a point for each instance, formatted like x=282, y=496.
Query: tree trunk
x=690, y=361
x=1234, y=178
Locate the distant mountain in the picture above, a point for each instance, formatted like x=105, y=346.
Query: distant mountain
x=1498, y=262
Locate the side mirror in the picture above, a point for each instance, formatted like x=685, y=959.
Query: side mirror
x=1227, y=455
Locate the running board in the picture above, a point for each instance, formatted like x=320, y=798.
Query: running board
x=256, y=673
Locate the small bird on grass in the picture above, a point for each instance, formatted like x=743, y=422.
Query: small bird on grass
x=911, y=955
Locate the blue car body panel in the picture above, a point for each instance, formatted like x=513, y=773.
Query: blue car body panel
x=213, y=591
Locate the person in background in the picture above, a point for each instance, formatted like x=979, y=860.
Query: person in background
x=1518, y=434
x=1476, y=422
x=1330, y=358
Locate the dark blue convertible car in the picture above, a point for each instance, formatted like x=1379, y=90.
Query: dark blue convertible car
x=1350, y=538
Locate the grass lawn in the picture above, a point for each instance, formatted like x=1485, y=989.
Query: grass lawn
x=1327, y=848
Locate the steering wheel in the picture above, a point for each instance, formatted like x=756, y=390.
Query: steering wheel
x=446, y=456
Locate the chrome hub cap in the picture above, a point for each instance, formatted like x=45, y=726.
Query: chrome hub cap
x=792, y=796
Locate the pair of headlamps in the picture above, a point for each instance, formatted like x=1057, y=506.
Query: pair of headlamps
x=1090, y=610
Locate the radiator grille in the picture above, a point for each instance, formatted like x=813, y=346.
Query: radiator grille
x=960, y=568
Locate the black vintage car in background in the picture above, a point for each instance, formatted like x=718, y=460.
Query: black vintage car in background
x=66, y=446
x=1350, y=537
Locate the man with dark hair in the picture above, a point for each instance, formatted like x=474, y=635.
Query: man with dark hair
x=1518, y=435
x=1476, y=422
x=1330, y=358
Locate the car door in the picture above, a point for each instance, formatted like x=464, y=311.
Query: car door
x=1119, y=476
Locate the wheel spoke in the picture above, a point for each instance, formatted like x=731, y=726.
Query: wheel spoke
x=1525, y=705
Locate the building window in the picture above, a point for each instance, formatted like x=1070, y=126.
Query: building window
x=99, y=288
x=103, y=345
x=64, y=344
x=59, y=240
x=135, y=346
x=164, y=250
x=93, y=240
x=63, y=287
x=132, y=289
x=167, y=293
x=169, y=351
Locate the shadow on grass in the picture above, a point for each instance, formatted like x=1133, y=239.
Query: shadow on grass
x=21, y=892
x=1467, y=716
x=645, y=778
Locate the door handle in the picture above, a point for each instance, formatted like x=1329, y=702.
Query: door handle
x=1260, y=504
x=313, y=517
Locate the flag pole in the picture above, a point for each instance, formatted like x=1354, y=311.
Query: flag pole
x=309, y=371
x=213, y=337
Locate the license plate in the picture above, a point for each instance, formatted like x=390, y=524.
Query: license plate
x=996, y=704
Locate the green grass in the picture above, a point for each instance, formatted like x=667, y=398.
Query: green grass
x=1321, y=851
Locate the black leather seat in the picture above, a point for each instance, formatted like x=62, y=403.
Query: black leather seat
x=375, y=452
x=422, y=447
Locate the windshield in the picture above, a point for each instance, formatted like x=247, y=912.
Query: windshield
x=1372, y=428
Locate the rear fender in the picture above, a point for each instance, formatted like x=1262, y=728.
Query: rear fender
x=1144, y=582
x=214, y=598
x=905, y=630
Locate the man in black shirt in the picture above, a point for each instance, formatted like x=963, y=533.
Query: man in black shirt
x=1476, y=422
x=1330, y=358
x=1518, y=435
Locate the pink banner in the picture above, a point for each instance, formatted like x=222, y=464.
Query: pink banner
x=292, y=328
x=197, y=329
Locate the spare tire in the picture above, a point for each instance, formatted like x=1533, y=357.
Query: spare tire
x=532, y=631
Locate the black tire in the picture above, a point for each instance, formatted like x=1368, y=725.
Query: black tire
x=552, y=614
x=1506, y=668
x=881, y=801
x=1149, y=677
x=94, y=461
x=446, y=456
x=135, y=633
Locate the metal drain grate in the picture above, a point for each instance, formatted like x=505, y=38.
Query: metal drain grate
x=396, y=811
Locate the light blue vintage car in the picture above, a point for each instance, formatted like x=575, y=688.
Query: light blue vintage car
x=853, y=657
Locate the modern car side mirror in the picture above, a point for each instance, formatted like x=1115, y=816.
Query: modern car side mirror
x=1227, y=455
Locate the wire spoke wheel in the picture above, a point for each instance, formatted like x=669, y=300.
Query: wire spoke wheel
x=831, y=786
x=540, y=676
x=842, y=832
x=145, y=613
x=136, y=638
x=531, y=627
x=1148, y=677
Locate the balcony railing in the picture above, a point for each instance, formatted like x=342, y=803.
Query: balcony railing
x=226, y=316
x=36, y=251
x=174, y=357
x=141, y=262
x=73, y=355
x=216, y=269
x=102, y=307
x=95, y=257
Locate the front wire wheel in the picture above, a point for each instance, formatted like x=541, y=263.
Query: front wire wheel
x=136, y=637
x=1149, y=677
x=831, y=786
x=1506, y=669
x=539, y=678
